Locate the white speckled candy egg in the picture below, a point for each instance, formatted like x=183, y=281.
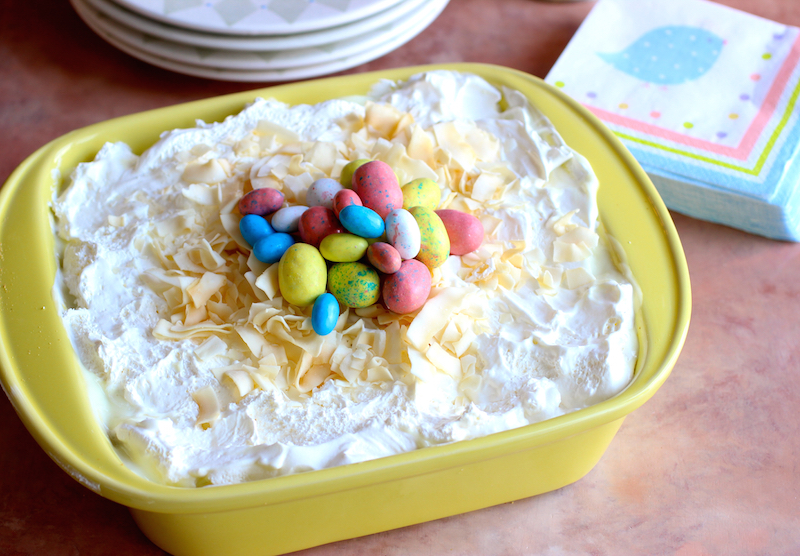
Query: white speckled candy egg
x=321, y=193
x=287, y=219
x=402, y=232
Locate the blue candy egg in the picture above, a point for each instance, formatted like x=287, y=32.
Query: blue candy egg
x=270, y=249
x=325, y=314
x=254, y=227
x=361, y=221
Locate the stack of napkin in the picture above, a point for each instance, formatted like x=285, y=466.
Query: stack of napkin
x=705, y=97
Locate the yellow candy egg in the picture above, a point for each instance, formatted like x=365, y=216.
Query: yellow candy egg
x=343, y=248
x=302, y=274
x=434, y=242
x=422, y=192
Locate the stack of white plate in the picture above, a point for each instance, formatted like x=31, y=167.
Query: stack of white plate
x=257, y=40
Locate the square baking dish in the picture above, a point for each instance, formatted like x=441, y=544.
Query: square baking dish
x=42, y=377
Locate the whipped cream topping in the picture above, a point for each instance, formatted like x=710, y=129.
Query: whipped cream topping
x=203, y=375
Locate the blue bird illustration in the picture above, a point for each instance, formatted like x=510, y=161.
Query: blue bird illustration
x=668, y=55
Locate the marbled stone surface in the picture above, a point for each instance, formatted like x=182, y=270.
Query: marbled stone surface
x=707, y=467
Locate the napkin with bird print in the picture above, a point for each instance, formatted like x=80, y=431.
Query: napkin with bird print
x=705, y=97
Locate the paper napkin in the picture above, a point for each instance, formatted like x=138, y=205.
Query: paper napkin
x=705, y=97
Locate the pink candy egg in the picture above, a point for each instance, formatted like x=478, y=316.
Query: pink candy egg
x=376, y=183
x=464, y=230
x=407, y=289
x=384, y=257
x=345, y=198
x=261, y=201
x=317, y=223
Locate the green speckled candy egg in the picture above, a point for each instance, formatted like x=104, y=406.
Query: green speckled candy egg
x=302, y=274
x=354, y=284
x=422, y=192
x=434, y=243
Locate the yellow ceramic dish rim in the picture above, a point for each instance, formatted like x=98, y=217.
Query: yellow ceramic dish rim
x=36, y=353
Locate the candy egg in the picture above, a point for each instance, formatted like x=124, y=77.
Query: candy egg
x=345, y=198
x=269, y=249
x=384, y=257
x=422, y=192
x=253, y=227
x=362, y=221
x=261, y=201
x=407, y=289
x=343, y=248
x=302, y=274
x=434, y=245
x=321, y=192
x=464, y=230
x=376, y=183
x=287, y=219
x=354, y=284
x=317, y=223
x=402, y=232
x=325, y=314
x=346, y=177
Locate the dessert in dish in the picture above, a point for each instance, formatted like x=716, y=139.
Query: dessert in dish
x=203, y=373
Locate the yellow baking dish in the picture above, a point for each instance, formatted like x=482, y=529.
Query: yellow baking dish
x=43, y=379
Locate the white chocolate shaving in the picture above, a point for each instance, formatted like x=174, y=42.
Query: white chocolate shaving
x=315, y=376
x=420, y=146
x=207, y=405
x=570, y=252
x=577, y=277
x=383, y=119
x=486, y=186
x=202, y=194
x=255, y=341
x=213, y=346
x=444, y=361
x=208, y=172
x=231, y=224
x=581, y=234
x=485, y=145
x=241, y=381
x=421, y=367
x=202, y=290
x=454, y=145
x=268, y=282
x=562, y=225
x=323, y=156
x=270, y=129
x=434, y=316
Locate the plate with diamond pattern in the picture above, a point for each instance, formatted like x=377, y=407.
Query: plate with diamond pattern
x=257, y=17
x=392, y=40
x=253, y=43
x=255, y=60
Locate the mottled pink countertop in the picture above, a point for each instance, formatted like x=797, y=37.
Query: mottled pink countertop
x=709, y=466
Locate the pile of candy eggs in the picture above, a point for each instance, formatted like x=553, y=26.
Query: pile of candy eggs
x=356, y=241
